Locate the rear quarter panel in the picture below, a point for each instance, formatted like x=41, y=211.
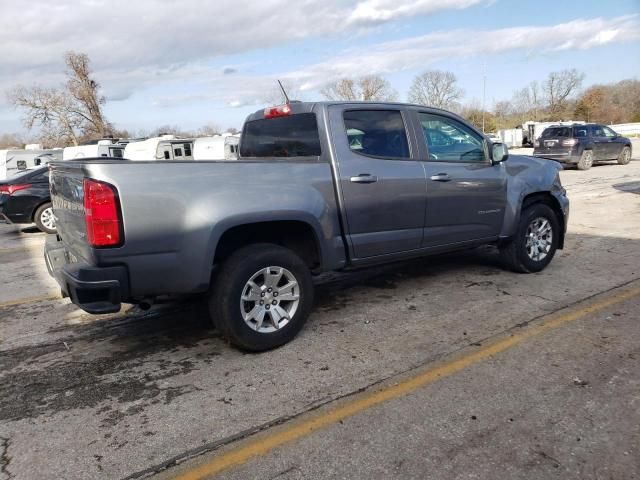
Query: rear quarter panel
x=174, y=213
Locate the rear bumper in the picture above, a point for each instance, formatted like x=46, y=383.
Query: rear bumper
x=562, y=157
x=93, y=289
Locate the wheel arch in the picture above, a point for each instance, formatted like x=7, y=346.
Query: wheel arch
x=297, y=234
x=549, y=199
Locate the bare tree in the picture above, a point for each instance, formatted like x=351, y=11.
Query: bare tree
x=370, y=88
x=84, y=89
x=208, y=130
x=375, y=88
x=559, y=87
x=15, y=140
x=66, y=115
x=435, y=88
x=49, y=108
x=169, y=130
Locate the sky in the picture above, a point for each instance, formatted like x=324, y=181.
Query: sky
x=197, y=62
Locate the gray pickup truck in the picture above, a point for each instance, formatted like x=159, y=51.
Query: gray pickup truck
x=318, y=187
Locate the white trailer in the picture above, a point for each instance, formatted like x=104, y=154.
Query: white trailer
x=218, y=147
x=17, y=160
x=102, y=148
x=511, y=137
x=166, y=147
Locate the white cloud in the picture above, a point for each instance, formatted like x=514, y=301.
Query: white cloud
x=419, y=52
x=151, y=32
x=375, y=11
x=136, y=43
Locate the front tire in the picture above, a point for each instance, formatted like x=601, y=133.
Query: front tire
x=586, y=160
x=261, y=297
x=625, y=156
x=535, y=242
x=44, y=218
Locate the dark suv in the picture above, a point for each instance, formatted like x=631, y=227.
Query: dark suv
x=582, y=145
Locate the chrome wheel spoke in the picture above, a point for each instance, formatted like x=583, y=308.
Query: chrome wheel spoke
x=252, y=296
x=260, y=319
x=251, y=315
x=275, y=318
x=287, y=293
x=272, y=276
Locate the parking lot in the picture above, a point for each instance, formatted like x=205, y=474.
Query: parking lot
x=445, y=367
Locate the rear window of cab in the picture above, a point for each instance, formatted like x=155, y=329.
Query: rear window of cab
x=288, y=136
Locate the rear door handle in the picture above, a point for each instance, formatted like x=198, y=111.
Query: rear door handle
x=440, y=177
x=364, y=178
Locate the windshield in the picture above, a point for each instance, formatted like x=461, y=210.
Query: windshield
x=291, y=136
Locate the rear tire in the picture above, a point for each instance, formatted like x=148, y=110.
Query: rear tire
x=244, y=302
x=530, y=250
x=586, y=160
x=625, y=156
x=44, y=219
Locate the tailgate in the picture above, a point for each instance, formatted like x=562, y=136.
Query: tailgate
x=67, y=197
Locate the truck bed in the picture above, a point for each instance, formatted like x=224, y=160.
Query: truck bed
x=175, y=213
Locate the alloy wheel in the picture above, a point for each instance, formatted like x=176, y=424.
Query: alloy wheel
x=48, y=219
x=539, y=238
x=270, y=299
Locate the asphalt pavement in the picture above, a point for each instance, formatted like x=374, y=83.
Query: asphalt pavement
x=138, y=394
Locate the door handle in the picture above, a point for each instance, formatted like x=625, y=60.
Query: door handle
x=364, y=178
x=440, y=177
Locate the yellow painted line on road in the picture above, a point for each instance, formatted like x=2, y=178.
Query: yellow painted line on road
x=264, y=443
x=22, y=301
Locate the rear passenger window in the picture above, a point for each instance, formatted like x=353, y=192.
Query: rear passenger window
x=580, y=132
x=379, y=133
x=449, y=140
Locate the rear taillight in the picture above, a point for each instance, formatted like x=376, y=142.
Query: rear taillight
x=569, y=142
x=102, y=214
x=11, y=189
x=279, y=111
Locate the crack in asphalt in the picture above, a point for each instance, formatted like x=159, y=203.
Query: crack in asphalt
x=5, y=459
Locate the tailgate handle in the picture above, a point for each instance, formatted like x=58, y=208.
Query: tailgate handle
x=364, y=178
x=440, y=177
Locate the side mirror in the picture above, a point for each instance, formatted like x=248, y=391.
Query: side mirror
x=499, y=153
